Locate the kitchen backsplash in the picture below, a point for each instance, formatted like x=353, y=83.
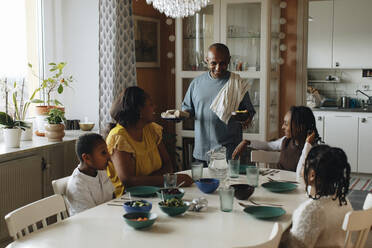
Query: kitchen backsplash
x=350, y=81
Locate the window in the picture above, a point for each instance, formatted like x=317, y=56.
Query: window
x=20, y=44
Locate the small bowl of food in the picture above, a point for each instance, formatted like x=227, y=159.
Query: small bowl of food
x=240, y=115
x=139, y=220
x=137, y=206
x=86, y=126
x=169, y=193
x=207, y=185
x=174, y=206
x=242, y=191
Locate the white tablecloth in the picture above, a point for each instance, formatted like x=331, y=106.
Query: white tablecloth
x=103, y=226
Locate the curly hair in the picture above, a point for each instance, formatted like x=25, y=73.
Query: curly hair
x=302, y=122
x=332, y=172
x=126, y=109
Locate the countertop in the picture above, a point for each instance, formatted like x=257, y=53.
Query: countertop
x=38, y=143
x=356, y=110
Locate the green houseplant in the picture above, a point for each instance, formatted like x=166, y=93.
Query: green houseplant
x=55, y=130
x=12, y=130
x=55, y=83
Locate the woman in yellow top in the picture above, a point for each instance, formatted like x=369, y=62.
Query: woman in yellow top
x=138, y=154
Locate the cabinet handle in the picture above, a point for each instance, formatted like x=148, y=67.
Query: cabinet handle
x=319, y=118
x=364, y=120
x=337, y=64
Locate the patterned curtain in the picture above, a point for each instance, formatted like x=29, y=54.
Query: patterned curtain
x=117, y=63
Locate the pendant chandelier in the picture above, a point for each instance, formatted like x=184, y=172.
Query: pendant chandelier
x=178, y=8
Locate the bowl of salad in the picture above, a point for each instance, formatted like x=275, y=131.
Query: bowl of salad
x=142, y=206
x=174, y=206
x=139, y=220
x=169, y=193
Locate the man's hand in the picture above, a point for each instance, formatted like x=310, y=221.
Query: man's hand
x=247, y=123
x=239, y=149
x=184, y=178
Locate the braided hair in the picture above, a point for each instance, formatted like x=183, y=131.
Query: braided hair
x=302, y=124
x=332, y=172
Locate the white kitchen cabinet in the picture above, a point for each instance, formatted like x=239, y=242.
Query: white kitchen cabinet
x=319, y=122
x=352, y=35
x=320, y=34
x=364, y=145
x=341, y=130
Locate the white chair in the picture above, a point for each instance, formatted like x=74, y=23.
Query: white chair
x=358, y=221
x=29, y=217
x=274, y=238
x=368, y=202
x=266, y=157
x=60, y=185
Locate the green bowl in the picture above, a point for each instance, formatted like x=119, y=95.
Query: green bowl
x=170, y=196
x=139, y=224
x=174, y=211
x=264, y=212
x=279, y=187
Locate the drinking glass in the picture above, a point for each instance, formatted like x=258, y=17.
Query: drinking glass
x=196, y=171
x=170, y=180
x=252, y=175
x=234, y=166
x=226, y=199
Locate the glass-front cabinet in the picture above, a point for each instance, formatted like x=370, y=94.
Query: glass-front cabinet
x=250, y=28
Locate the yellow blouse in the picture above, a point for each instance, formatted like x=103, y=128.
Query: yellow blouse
x=145, y=153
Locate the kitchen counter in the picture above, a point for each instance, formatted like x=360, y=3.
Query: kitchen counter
x=355, y=110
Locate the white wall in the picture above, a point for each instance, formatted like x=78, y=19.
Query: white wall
x=71, y=34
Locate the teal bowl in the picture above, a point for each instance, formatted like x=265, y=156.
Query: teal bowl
x=168, y=196
x=174, y=211
x=130, y=219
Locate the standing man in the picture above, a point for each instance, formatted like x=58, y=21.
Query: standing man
x=210, y=130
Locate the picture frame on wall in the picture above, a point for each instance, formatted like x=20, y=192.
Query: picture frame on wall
x=147, y=41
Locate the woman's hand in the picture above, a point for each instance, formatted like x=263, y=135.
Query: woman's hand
x=184, y=178
x=311, y=138
x=239, y=149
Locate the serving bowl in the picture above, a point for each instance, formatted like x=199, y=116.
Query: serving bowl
x=169, y=193
x=132, y=219
x=172, y=209
x=242, y=191
x=137, y=206
x=207, y=185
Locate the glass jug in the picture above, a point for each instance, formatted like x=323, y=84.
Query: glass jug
x=217, y=164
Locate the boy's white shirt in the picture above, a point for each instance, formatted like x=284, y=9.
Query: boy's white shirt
x=84, y=192
x=276, y=145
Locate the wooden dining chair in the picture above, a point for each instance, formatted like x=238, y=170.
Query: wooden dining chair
x=359, y=221
x=266, y=157
x=274, y=238
x=32, y=217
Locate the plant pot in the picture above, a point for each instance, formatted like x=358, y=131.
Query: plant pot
x=12, y=137
x=54, y=132
x=44, y=110
x=27, y=133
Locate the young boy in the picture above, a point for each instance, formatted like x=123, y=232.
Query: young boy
x=89, y=185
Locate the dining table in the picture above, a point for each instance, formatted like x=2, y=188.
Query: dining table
x=104, y=226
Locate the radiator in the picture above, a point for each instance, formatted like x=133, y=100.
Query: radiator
x=20, y=184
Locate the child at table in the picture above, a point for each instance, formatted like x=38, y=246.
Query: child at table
x=317, y=222
x=89, y=186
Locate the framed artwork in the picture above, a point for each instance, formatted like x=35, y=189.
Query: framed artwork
x=147, y=41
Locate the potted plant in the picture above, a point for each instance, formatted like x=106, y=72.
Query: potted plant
x=12, y=130
x=55, y=130
x=55, y=83
x=21, y=108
